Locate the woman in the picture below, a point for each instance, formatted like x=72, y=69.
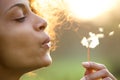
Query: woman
x=24, y=45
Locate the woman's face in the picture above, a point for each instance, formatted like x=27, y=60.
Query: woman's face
x=23, y=42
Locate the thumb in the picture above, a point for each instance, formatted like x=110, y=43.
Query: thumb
x=88, y=69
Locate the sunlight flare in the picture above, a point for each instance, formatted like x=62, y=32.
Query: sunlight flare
x=88, y=9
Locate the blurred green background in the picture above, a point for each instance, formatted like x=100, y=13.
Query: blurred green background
x=69, y=54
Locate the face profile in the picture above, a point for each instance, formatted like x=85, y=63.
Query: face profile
x=24, y=43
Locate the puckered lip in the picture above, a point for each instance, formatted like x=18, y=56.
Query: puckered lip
x=46, y=44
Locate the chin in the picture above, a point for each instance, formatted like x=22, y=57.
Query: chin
x=45, y=61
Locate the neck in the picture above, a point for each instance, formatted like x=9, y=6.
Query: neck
x=6, y=74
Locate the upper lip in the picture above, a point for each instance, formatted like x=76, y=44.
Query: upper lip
x=46, y=41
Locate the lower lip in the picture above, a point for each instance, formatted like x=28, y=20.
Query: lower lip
x=45, y=46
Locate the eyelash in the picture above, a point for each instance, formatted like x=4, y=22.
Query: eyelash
x=21, y=19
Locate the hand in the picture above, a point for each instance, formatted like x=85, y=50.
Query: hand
x=95, y=71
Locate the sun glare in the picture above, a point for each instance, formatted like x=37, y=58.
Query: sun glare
x=88, y=9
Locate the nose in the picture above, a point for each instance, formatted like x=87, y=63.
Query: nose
x=39, y=23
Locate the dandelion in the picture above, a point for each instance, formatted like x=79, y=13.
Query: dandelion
x=91, y=42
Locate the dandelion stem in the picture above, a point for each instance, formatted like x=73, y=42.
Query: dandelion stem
x=88, y=54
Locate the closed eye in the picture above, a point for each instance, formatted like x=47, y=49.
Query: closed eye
x=21, y=19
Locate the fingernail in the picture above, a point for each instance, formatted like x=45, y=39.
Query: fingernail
x=85, y=64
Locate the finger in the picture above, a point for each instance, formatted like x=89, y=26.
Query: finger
x=88, y=71
x=100, y=74
x=93, y=65
x=83, y=78
x=107, y=78
x=111, y=76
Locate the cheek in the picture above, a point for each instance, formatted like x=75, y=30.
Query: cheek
x=21, y=49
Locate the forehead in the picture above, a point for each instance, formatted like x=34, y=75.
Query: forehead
x=6, y=4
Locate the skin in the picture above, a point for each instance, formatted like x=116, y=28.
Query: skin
x=24, y=43
x=100, y=72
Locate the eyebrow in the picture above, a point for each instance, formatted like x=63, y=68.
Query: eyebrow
x=16, y=5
